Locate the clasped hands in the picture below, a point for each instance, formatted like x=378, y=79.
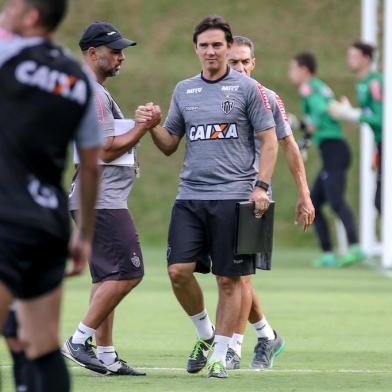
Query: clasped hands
x=148, y=115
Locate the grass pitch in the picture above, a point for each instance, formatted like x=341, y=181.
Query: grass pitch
x=337, y=323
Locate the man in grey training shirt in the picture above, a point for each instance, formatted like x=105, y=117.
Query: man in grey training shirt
x=117, y=264
x=269, y=343
x=218, y=112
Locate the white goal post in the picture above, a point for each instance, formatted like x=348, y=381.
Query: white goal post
x=387, y=140
x=368, y=213
x=367, y=183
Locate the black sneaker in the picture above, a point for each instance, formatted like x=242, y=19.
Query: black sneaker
x=266, y=351
x=83, y=355
x=199, y=355
x=121, y=368
x=233, y=360
x=216, y=369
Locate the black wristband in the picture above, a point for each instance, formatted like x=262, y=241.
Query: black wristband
x=262, y=185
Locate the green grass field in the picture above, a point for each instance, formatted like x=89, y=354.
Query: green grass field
x=337, y=324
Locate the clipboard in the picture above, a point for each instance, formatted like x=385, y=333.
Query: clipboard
x=253, y=235
x=121, y=126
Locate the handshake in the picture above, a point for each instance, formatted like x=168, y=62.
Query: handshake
x=148, y=115
x=342, y=110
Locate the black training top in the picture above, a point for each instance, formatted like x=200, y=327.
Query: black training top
x=46, y=100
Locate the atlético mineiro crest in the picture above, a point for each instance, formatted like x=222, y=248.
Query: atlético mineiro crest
x=227, y=105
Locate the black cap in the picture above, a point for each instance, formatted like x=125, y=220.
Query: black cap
x=103, y=34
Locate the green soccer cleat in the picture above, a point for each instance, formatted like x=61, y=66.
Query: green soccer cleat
x=354, y=255
x=326, y=260
x=217, y=370
x=199, y=355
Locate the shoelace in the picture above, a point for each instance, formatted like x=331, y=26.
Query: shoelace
x=89, y=348
x=230, y=355
x=261, y=346
x=122, y=362
x=198, y=348
x=216, y=366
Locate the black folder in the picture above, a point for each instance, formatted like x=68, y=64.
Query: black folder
x=253, y=235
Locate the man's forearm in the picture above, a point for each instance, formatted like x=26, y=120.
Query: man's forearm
x=119, y=145
x=268, y=154
x=89, y=179
x=296, y=165
x=164, y=140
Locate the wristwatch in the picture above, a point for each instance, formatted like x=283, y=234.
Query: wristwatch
x=262, y=185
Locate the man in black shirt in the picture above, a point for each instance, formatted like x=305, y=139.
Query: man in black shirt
x=46, y=100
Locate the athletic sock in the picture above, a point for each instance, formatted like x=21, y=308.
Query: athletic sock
x=82, y=333
x=236, y=343
x=106, y=354
x=21, y=370
x=263, y=329
x=203, y=325
x=50, y=373
x=221, y=344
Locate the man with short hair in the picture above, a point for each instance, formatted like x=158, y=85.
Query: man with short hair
x=219, y=112
x=55, y=97
x=116, y=264
x=360, y=57
x=269, y=344
x=330, y=184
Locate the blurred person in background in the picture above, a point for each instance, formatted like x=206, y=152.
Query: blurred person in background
x=330, y=184
x=360, y=57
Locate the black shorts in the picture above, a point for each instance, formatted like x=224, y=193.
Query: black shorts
x=263, y=260
x=203, y=231
x=32, y=262
x=116, y=252
x=10, y=329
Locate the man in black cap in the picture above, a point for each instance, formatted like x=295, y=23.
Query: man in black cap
x=116, y=265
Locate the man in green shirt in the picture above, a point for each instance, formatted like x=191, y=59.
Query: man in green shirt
x=369, y=96
x=327, y=135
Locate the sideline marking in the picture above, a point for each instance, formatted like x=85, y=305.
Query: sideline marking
x=267, y=371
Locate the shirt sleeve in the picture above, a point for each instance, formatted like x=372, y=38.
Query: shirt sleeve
x=258, y=108
x=282, y=125
x=374, y=114
x=104, y=111
x=174, y=122
x=89, y=133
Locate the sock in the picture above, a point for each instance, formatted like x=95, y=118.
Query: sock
x=106, y=354
x=203, y=325
x=21, y=369
x=28, y=377
x=50, y=373
x=82, y=333
x=221, y=344
x=263, y=329
x=236, y=343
